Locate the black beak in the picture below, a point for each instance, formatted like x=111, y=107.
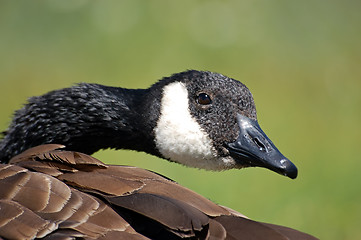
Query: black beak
x=254, y=149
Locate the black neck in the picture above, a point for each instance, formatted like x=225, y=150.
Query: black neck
x=84, y=118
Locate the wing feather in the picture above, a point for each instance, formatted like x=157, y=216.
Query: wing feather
x=49, y=193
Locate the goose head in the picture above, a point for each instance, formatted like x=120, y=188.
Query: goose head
x=209, y=121
x=195, y=118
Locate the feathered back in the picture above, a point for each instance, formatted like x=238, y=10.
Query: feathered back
x=49, y=193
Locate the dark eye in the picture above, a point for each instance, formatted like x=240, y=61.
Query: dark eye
x=204, y=99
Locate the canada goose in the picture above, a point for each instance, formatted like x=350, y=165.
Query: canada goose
x=50, y=188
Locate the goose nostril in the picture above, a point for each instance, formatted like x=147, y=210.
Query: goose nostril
x=260, y=145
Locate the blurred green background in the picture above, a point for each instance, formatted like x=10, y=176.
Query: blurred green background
x=301, y=60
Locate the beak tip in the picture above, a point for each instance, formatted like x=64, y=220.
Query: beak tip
x=289, y=169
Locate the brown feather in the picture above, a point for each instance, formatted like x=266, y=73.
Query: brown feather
x=241, y=228
x=290, y=233
x=102, y=183
x=18, y=222
x=35, y=151
x=216, y=231
x=54, y=194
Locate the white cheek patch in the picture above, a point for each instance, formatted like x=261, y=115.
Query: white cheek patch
x=179, y=137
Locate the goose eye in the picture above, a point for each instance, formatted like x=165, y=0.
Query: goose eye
x=204, y=99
